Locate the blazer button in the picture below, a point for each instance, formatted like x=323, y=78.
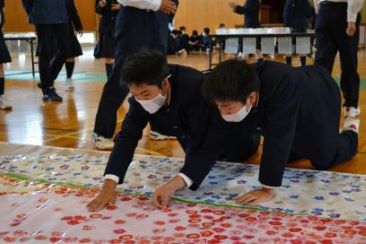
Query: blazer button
x=175, y=127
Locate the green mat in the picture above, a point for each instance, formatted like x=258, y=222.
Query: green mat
x=77, y=76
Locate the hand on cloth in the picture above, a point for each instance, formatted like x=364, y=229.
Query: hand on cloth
x=106, y=197
x=257, y=196
x=163, y=194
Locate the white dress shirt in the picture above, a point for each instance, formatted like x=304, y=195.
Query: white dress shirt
x=153, y=5
x=353, y=7
x=186, y=179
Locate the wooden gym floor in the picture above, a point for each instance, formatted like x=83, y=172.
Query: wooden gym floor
x=70, y=124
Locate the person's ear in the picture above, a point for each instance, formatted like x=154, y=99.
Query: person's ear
x=253, y=97
x=164, y=86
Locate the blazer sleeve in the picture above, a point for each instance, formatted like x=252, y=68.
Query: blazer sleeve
x=212, y=144
x=279, y=126
x=74, y=15
x=126, y=141
x=248, y=7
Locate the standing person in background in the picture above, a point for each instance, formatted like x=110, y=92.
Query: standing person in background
x=295, y=15
x=250, y=10
x=164, y=20
x=51, y=20
x=106, y=45
x=137, y=26
x=337, y=30
x=75, y=47
x=4, y=58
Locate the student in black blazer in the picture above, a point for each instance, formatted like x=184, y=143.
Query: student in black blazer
x=298, y=110
x=169, y=98
x=250, y=10
x=106, y=45
x=75, y=47
x=296, y=16
x=51, y=20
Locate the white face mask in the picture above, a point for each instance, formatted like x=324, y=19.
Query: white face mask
x=239, y=116
x=153, y=105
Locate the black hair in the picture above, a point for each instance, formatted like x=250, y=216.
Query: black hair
x=145, y=67
x=176, y=32
x=195, y=32
x=231, y=80
x=182, y=28
x=206, y=30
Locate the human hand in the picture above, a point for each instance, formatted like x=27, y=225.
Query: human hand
x=232, y=5
x=163, y=194
x=107, y=196
x=257, y=196
x=168, y=7
x=116, y=6
x=351, y=28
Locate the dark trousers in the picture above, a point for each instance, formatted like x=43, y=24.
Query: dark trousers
x=339, y=148
x=343, y=148
x=163, y=19
x=50, y=63
x=322, y=143
x=331, y=37
x=135, y=29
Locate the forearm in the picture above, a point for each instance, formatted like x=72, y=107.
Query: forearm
x=197, y=167
x=316, y=5
x=109, y=185
x=353, y=8
x=120, y=158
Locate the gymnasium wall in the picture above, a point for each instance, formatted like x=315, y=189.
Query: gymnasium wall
x=194, y=14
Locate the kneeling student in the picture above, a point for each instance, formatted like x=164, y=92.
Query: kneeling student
x=169, y=98
x=298, y=110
